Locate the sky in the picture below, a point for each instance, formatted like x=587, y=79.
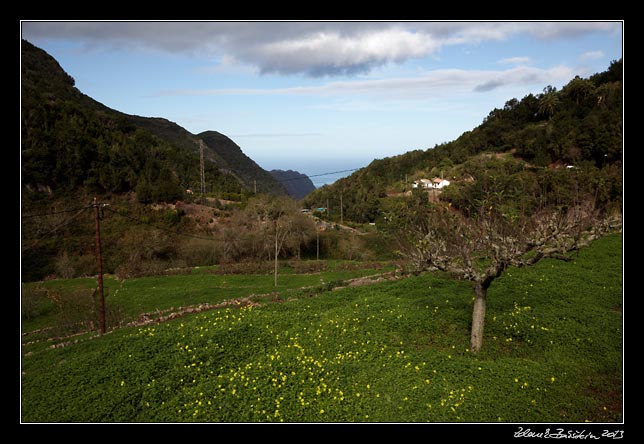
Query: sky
x=322, y=97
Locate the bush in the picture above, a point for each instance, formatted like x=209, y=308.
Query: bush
x=68, y=267
x=139, y=268
x=34, y=301
x=78, y=311
x=301, y=267
x=64, y=266
x=144, y=252
x=75, y=311
x=245, y=268
x=199, y=252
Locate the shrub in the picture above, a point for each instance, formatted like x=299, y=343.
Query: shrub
x=78, y=311
x=34, y=301
x=301, y=267
x=199, y=252
x=245, y=268
x=65, y=266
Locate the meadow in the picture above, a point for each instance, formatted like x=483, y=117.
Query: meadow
x=395, y=351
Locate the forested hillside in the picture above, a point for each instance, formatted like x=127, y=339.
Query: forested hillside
x=297, y=184
x=71, y=141
x=516, y=148
x=74, y=148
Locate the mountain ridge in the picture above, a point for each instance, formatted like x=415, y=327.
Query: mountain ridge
x=580, y=125
x=71, y=140
x=298, y=185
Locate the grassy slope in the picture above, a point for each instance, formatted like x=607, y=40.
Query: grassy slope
x=394, y=352
x=148, y=294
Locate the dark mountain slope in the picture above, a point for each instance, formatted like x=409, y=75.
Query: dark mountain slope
x=70, y=141
x=297, y=184
x=229, y=156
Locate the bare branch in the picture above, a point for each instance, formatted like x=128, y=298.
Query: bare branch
x=481, y=248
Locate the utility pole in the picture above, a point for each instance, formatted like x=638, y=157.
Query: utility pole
x=99, y=262
x=203, y=174
x=341, y=218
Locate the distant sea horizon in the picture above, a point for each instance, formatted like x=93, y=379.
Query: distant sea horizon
x=320, y=179
x=322, y=172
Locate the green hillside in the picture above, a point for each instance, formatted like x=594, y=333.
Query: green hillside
x=297, y=184
x=230, y=158
x=75, y=148
x=389, y=352
x=579, y=125
x=70, y=141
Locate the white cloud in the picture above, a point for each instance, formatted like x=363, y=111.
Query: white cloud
x=438, y=83
x=329, y=53
x=515, y=61
x=591, y=55
x=311, y=48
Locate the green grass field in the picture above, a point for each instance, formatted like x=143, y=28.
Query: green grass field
x=201, y=285
x=389, y=352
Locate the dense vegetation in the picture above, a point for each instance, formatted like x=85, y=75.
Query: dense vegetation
x=579, y=125
x=297, y=185
x=396, y=351
x=70, y=141
x=74, y=148
x=390, y=352
x=59, y=240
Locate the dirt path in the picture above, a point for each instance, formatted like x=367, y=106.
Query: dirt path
x=159, y=316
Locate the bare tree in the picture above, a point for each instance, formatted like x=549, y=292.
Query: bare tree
x=302, y=232
x=276, y=217
x=481, y=248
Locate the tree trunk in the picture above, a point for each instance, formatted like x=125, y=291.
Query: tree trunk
x=276, y=252
x=478, y=317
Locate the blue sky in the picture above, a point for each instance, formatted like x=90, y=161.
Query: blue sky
x=320, y=97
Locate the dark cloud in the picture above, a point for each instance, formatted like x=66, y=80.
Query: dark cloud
x=488, y=86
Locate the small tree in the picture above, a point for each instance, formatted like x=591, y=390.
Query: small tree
x=276, y=218
x=481, y=248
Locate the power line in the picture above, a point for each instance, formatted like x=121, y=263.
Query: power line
x=53, y=212
x=211, y=239
x=306, y=176
x=58, y=227
x=335, y=172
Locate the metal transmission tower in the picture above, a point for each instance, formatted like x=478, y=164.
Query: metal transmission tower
x=203, y=175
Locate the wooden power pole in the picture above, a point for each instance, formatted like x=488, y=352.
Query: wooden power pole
x=99, y=263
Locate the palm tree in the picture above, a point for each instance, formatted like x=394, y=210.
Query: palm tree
x=548, y=101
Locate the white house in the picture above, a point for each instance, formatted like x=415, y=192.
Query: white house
x=438, y=183
x=435, y=183
x=422, y=183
